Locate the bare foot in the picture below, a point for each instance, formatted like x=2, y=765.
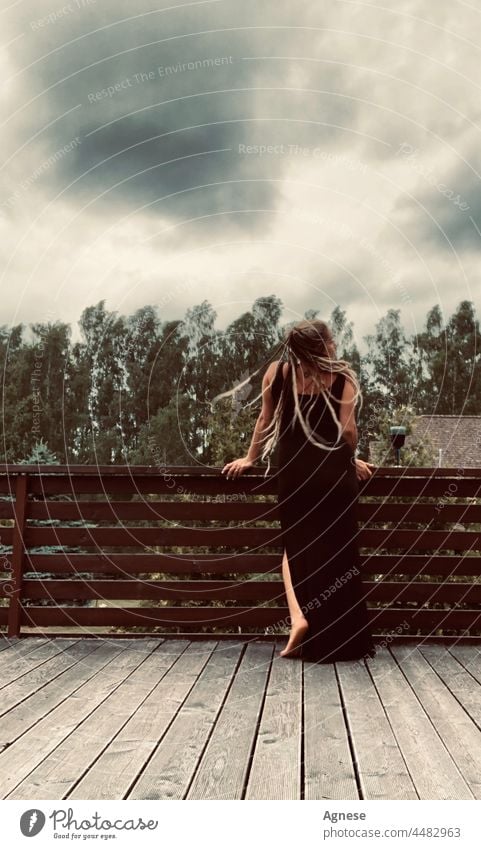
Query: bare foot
x=296, y=636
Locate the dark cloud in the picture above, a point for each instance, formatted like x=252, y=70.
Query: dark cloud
x=163, y=87
x=138, y=119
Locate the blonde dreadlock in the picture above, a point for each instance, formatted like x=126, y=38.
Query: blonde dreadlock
x=307, y=341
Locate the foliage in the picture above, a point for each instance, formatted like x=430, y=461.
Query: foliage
x=138, y=389
x=41, y=454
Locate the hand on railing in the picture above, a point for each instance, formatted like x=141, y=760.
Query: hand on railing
x=363, y=470
x=236, y=467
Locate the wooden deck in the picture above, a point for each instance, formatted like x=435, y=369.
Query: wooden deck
x=180, y=719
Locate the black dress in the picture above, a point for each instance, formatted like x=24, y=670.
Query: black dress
x=317, y=500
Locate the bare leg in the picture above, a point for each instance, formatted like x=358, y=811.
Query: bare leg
x=299, y=624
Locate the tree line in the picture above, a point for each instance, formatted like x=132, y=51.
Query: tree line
x=137, y=389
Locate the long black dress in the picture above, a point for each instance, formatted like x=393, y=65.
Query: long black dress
x=317, y=500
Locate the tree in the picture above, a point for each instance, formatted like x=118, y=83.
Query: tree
x=343, y=333
x=462, y=381
x=388, y=362
x=50, y=353
x=448, y=363
x=201, y=371
x=105, y=373
x=17, y=405
x=134, y=378
x=429, y=357
x=165, y=440
x=40, y=454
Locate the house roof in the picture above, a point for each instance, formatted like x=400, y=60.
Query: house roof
x=458, y=437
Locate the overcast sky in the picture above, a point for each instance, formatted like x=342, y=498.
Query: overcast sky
x=326, y=152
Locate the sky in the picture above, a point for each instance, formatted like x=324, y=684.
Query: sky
x=325, y=152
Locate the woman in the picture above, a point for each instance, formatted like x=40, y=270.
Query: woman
x=308, y=412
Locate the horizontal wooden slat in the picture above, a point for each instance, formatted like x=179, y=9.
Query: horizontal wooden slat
x=422, y=592
x=236, y=537
x=186, y=591
x=154, y=511
x=228, y=617
x=419, y=539
x=421, y=564
x=403, y=486
x=136, y=537
x=80, y=470
x=426, y=620
x=217, y=617
x=435, y=512
x=182, y=485
x=126, y=564
x=410, y=487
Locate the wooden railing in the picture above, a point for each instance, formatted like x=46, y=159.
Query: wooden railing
x=83, y=547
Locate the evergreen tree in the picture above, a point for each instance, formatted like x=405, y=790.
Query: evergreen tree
x=40, y=454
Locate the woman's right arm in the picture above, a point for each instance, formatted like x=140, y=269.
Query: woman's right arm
x=236, y=467
x=347, y=417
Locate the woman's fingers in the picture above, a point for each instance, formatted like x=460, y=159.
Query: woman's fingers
x=230, y=469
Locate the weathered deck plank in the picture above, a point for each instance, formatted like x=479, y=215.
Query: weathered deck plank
x=461, y=681
x=123, y=760
x=469, y=657
x=19, y=649
x=18, y=667
x=59, y=772
x=170, y=770
x=328, y=769
x=31, y=748
x=418, y=739
x=382, y=771
x=457, y=731
x=276, y=765
x=22, y=717
x=12, y=642
x=42, y=676
x=224, y=719
x=223, y=769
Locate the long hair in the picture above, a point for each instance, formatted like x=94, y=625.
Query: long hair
x=306, y=342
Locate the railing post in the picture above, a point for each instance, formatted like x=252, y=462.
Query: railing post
x=18, y=555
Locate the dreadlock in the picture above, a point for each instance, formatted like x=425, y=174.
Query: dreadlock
x=306, y=342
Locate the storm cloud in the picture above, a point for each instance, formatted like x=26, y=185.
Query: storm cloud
x=325, y=152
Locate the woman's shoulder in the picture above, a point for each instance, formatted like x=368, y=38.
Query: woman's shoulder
x=274, y=369
x=274, y=375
